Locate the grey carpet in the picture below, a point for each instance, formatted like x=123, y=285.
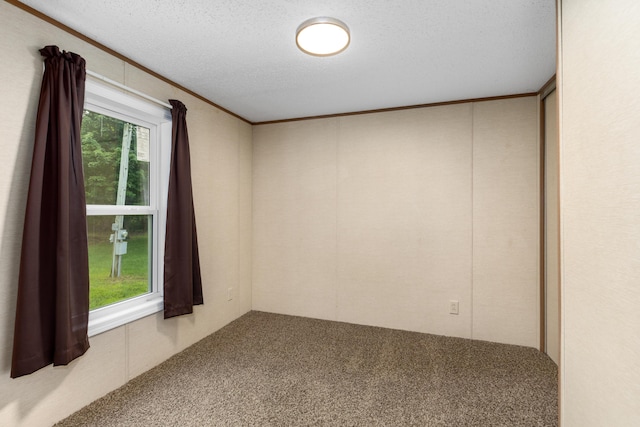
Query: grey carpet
x=274, y=370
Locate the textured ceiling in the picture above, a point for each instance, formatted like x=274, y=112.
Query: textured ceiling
x=242, y=55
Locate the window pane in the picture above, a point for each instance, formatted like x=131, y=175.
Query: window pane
x=109, y=180
x=119, y=261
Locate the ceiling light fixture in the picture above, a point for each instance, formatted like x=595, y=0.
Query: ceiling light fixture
x=323, y=36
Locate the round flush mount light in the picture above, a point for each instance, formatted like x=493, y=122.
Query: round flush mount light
x=322, y=36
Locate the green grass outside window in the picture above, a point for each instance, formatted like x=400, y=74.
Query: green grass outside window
x=134, y=280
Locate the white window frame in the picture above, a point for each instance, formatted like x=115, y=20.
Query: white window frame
x=114, y=103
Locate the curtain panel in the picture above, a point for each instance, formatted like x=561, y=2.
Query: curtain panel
x=53, y=287
x=182, y=280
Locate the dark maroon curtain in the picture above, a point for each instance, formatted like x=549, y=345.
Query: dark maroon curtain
x=53, y=288
x=182, y=280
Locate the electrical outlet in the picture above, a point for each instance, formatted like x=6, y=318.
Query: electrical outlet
x=229, y=294
x=454, y=308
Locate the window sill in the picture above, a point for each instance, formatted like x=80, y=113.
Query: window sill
x=113, y=316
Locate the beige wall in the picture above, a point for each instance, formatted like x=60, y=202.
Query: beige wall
x=381, y=219
x=599, y=94
x=221, y=161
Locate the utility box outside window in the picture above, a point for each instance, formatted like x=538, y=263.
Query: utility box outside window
x=121, y=248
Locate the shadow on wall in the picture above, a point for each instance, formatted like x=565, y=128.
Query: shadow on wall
x=31, y=386
x=11, y=241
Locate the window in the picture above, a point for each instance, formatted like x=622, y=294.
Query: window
x=126, y=145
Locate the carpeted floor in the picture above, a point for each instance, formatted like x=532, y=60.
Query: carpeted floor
x=274, y=370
